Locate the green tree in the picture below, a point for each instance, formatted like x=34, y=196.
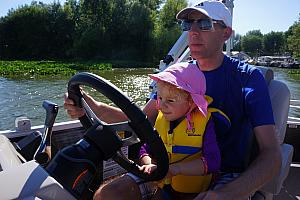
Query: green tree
x=36, y=31
x=118, y=28
x=252, y=43
x=151, y=4
x=167, y=29
x=293, y=40
x=72, y=9
x=140, y=28
x=91, y=38
x=273, y=43
x=255, y=32
x=94, y=13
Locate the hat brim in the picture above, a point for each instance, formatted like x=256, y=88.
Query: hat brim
x=184, y=13
x=166, y=77
x=198, y=99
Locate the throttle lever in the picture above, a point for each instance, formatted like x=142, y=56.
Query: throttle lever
x=43, y=153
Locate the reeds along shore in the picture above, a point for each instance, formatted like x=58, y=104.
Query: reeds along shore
x=47, y=68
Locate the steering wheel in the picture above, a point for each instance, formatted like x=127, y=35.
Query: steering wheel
x=105, y=136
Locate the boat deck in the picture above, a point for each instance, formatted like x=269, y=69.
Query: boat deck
x=291, y=186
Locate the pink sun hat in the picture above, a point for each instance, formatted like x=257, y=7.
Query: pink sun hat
x=189, y=77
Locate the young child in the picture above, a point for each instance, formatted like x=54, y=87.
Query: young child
x=187, y=130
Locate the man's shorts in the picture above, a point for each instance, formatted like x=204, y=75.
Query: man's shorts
x=223, y=179
x=150, y=190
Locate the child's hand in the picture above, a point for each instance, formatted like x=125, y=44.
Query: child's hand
x=148, y=169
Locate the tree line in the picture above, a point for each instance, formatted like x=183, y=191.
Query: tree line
x=139, y=30
x=274, y=43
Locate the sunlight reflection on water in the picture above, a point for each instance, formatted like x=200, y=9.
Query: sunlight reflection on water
x=25, y=97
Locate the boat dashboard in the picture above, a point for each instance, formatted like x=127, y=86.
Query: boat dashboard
x=25, y=180
x=22, y=178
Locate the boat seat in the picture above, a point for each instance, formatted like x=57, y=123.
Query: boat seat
x=267, y=73
x=280, y=99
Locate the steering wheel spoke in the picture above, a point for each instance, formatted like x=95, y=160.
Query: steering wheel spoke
x=90, y=113
x=125, y=132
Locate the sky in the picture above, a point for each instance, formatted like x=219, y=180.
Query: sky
x=248, y=15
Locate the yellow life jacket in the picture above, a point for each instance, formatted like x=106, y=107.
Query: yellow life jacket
x=186, y=145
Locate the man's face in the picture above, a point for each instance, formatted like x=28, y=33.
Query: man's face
x=205, y=44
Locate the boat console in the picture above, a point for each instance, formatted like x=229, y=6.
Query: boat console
x=26, y=180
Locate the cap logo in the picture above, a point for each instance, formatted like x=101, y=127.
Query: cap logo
x=200, y=4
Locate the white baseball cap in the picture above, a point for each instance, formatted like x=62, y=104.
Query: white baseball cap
x=211, y=8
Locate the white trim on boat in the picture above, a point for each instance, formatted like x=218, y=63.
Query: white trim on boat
x=293, y=120
x=292, y=106
x=295, y=165
x=56, y=127
x=295, y=100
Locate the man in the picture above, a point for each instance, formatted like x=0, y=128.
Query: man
x=237, y=89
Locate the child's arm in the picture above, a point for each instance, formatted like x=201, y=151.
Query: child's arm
x=145, y=160
x=191, y=168
x=147, y=165
x=208, y=163
x=211, y=152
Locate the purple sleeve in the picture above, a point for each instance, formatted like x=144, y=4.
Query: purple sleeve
x=211, y=151
x=144, y=150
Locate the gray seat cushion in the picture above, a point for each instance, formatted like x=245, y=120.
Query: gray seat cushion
x=280, y=99
x=267, y=73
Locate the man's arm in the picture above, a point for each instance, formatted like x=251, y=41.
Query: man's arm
x=112, y=114
x=107, y=113
x=151, y=111
x=262, y=169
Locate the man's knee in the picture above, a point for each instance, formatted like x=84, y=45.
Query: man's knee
x=120, y=188
x=104, y=192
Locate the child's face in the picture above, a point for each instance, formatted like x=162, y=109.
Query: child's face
x=170, y=105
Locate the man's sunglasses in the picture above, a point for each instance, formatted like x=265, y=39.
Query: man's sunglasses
x=202, y=24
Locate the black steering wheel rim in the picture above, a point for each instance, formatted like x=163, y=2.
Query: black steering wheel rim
x=138, y=122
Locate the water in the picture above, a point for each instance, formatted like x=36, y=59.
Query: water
x=293, y=83
x=25, y=97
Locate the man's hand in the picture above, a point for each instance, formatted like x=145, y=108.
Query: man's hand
x=73, y=111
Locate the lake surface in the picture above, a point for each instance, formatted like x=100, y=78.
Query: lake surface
x=25, y=97
x=293, y=83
